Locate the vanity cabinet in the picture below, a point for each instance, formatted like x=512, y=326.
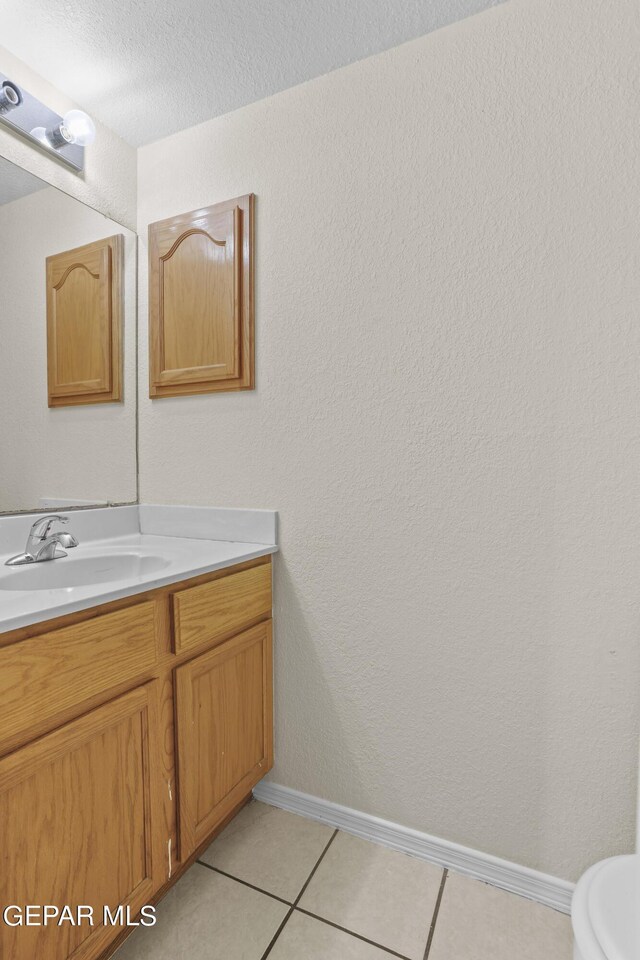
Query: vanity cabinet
x=129, y=736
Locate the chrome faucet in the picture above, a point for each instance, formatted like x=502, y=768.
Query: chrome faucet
x=43, y=546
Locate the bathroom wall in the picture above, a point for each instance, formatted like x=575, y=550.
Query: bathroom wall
x=82, y=452
x=447, y=416
x=108, y=181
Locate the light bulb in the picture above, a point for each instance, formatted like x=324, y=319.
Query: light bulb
x=78, y=127
x=40, y=133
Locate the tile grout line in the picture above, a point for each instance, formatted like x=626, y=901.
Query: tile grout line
x=436, y=910
x=357, y=936
x=293, y=905
x=245, y=883
x=311, y=875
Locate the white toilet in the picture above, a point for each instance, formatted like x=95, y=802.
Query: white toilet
x=605, y=911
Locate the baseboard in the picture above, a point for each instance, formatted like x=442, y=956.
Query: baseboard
x=473, y=863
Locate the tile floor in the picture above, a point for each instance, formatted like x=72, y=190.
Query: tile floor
x=276, y=885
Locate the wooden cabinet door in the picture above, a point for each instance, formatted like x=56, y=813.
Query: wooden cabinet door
x=201, y=300
x=78, y=827
x=224, y=712
x=84, y=307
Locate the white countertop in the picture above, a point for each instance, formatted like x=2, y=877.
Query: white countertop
x=174, y=558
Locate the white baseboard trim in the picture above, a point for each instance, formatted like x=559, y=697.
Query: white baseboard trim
x=473, y=863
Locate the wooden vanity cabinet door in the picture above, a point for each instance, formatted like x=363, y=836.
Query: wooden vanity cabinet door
x=84, y=318
x=78, y=826
x=224, y=713
x=201, y=300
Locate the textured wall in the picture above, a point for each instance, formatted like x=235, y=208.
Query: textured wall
x=108, y=182
x=80, y=453
x=447, y=417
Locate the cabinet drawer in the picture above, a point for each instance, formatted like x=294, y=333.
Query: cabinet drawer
x=46, y=676
x=221, y=607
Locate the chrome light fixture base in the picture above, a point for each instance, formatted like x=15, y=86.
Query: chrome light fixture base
x=33, y=120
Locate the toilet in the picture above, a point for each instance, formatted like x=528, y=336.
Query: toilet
x=605, y=911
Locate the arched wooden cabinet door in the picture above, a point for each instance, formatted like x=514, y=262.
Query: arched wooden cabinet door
x=78, y=828
x=84, y=319
x=201, y=300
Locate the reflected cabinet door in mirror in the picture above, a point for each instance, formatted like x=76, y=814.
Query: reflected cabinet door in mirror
x=84, y=316
x=201, y=324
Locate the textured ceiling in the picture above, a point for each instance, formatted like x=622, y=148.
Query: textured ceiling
x=16, y=182
x=151, y=67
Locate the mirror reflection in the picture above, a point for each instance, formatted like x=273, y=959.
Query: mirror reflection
x=67, y=350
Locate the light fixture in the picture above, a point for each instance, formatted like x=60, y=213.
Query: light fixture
x=64, y=137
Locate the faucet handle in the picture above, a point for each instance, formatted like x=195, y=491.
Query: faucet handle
x=41, y=527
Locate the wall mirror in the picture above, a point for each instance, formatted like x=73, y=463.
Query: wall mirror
x=67, y=350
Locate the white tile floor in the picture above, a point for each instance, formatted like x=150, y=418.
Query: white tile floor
x=279, y=886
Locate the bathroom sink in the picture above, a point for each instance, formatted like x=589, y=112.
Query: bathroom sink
x=69, y=572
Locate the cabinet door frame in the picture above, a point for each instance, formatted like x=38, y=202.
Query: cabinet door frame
x=19, y=766
x=191, y=831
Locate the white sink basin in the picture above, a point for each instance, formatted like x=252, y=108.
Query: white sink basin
x=69, y=572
